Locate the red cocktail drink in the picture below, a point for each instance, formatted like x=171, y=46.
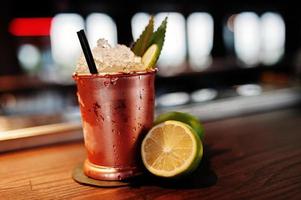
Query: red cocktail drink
x=117, y=110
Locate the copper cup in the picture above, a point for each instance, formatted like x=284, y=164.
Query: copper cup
x=117, y=110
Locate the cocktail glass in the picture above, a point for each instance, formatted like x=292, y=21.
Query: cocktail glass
x=117, y=110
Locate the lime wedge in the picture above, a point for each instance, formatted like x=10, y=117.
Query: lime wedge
x=171, y=149
x=182, y=117
x=149, y=58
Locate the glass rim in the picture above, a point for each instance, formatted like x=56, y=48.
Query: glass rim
x=117, y=74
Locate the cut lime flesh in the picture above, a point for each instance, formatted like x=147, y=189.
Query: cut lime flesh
x=150, y=57
x=171, y=149
x=182, y=117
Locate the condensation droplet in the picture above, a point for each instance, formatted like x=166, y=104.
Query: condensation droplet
x=106, y=83
x=113, y=81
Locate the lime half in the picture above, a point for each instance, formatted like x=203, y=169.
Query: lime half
x=182, y=117
x=149, y=58
x=171, y=149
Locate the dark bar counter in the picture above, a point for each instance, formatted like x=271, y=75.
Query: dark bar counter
x=251, y=157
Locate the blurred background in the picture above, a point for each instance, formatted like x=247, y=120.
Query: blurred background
x=220, y=59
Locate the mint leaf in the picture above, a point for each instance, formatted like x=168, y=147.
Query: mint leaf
x=142, y=43
x=158, y=37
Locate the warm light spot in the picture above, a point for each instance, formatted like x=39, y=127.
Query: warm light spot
x=101, y=25
x=173, y=99
x=203, y=95
x=273, y=38
x=29, y=56
x=174, y=50
x=138, y=23
x=259, y=39
x=249, y=90
x=247, y=38
x=200, y=40
x=65, y=46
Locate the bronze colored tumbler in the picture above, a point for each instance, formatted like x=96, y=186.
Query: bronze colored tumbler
x=117, y=110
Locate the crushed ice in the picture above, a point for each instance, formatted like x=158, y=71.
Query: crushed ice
x=110, y=59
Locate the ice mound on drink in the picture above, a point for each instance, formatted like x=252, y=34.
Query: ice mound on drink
x=140, y=57
x=110, y=59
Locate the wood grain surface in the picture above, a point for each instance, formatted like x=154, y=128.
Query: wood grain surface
x=251, y=157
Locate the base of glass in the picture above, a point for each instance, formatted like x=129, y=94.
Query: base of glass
x=109, y=173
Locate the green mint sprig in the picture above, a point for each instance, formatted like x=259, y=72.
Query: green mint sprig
x=142, y=42
x=158, y=37
x=148, y=38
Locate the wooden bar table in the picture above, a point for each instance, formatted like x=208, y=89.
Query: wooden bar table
x=250, y=157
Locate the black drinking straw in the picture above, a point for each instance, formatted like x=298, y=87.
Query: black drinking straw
x=87, y=51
